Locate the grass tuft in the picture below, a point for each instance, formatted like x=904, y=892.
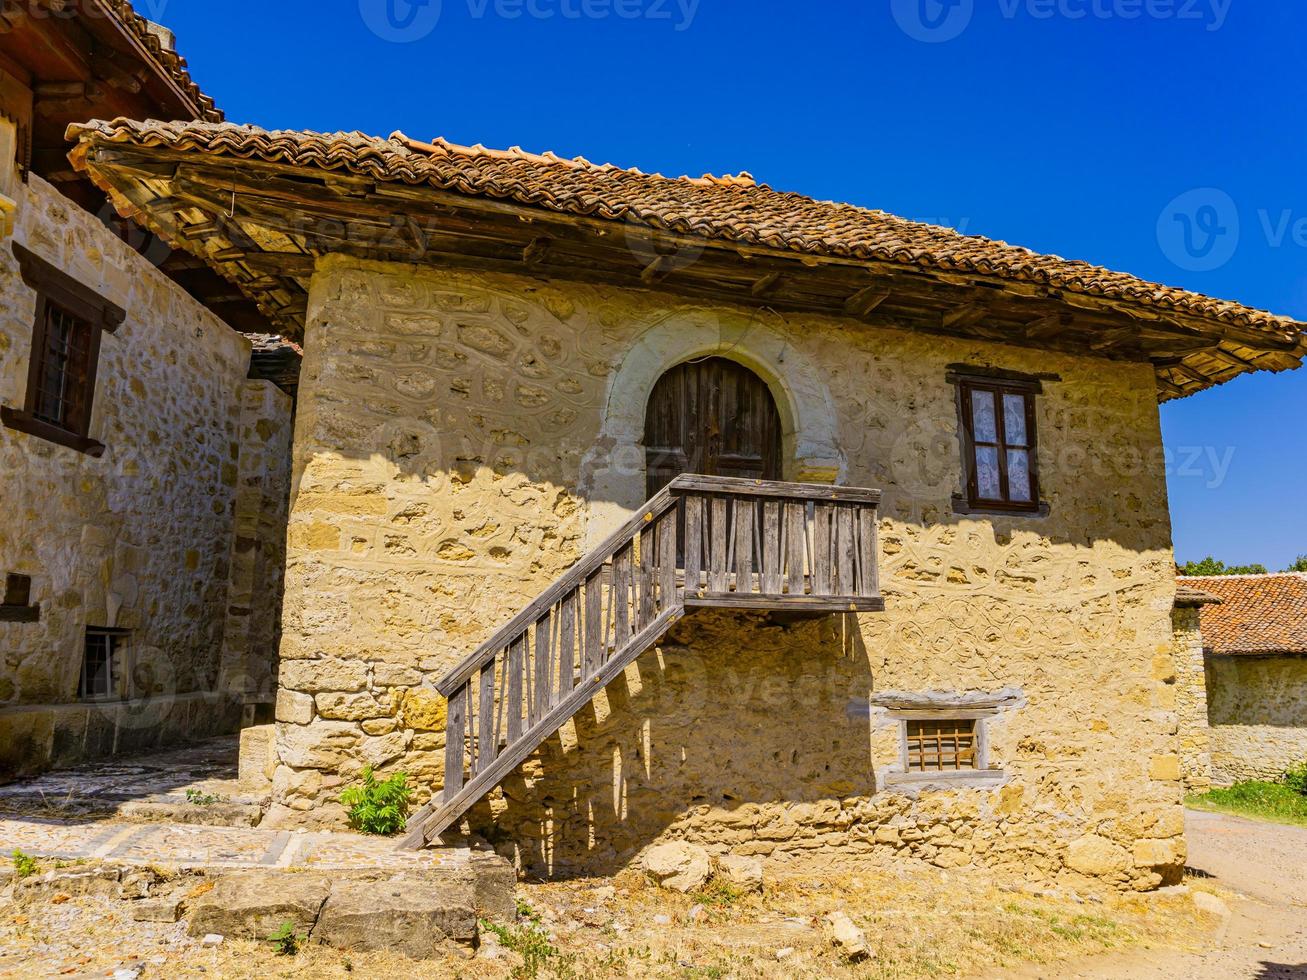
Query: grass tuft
x=1264, y=801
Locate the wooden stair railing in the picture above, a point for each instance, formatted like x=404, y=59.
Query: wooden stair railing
x=700, y=542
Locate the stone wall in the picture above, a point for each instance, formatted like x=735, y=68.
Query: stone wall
x=258, y=549
x=461, y=437
x=139, y=539
x=1191, y=699
x=1257, y=707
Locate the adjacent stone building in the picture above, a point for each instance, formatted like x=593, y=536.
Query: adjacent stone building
x=144, y=473
x=1253, y=643
x=857, y=528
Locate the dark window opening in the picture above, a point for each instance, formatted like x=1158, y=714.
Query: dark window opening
x=102, y=664
x=17, y=606
x=998, y=426
x=70, y=319
x=62, y=370
x=942, y=746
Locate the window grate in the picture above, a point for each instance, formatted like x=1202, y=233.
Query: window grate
x=941, y=746
x=63, y=372
x=101, y=664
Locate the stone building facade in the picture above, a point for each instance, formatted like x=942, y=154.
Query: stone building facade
x=446, y=455
x=485, y=332
x=143, y=539
x=1253, y=638
x=145, y=475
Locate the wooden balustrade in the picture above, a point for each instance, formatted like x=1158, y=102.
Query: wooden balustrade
x=701, y=542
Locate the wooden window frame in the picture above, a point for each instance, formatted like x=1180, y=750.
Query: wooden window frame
x=55, y=288
x=1000, y=383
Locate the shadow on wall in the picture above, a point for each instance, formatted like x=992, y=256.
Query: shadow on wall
x=719, y=730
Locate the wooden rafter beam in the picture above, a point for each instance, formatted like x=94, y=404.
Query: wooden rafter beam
x=536, y=252
x=865, y=300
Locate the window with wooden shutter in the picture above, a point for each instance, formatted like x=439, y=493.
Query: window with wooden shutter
x=70, y=319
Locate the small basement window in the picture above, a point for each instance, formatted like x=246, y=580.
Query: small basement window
x=103, y=658
x=942, y=746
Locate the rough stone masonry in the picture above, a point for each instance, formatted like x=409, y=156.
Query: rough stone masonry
x=462, y=438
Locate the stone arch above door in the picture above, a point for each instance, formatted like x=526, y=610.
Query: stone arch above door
x=613, y=472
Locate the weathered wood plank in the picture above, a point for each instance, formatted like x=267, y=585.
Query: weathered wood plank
x=621, y=598
x=717, y=547
x=845, y=548
x=513, y=687
x=796, y=540
x=694, y=540
x=733, y=486
x=666, y=562
x=744, y=511
x=567, y=611
x=593, y=654
x=487, y=744
x=868, y=553
x=771, y=546
x=784, y=602
x=823, y=515
x=543, y=687
x=645, y=584
x=455, y=736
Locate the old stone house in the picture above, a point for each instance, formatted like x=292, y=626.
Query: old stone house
x=143, y=454
x=1247, y=635
x=908, y=592
x=627, y=507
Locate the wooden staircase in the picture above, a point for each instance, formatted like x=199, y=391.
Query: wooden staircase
x=702, y=542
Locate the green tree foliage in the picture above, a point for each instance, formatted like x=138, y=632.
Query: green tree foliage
x=1210, y=566
x=1299, y=566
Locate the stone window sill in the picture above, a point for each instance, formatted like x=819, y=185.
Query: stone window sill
x=23, y=422
x=962, y=779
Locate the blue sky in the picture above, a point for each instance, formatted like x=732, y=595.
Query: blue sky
x=1077, y=127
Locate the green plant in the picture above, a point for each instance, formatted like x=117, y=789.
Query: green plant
x=718, y=893
x=25, y=865
x=198, y=798
x=1210, y=566
x=286, y=939
x=1296, y=778
x=1265, y=801
x=1298, y=566
x=529, y=941
x=378, y=806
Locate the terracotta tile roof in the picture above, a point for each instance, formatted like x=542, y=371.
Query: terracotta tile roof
x=734, y=209
x=1258, y=614
x=173, y=64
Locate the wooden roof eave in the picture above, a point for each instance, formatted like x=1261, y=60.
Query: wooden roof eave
x=269, y=195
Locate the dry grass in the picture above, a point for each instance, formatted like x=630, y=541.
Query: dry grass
x=926, y=926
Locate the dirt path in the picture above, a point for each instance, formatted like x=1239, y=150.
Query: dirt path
x=1264, y=937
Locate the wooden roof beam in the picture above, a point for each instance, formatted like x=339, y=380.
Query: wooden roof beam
x=865, y=300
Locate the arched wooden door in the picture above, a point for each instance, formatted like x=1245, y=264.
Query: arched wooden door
x=714, y=417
